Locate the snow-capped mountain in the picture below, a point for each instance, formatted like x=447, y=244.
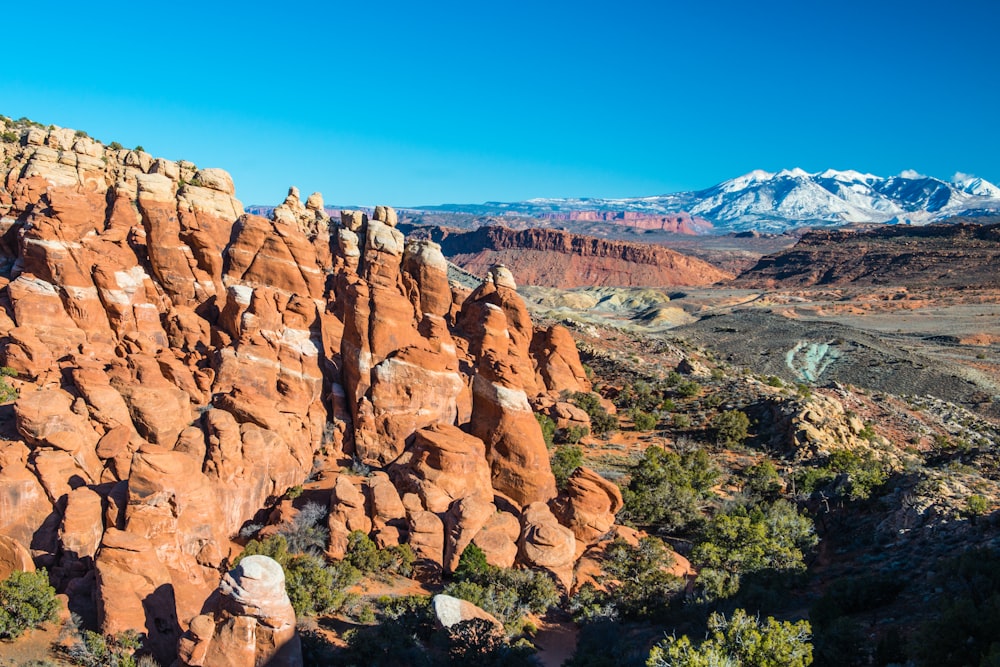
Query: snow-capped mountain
x=775, y=202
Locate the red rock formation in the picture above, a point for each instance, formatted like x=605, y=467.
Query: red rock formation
x=499, y=330
x=562, y=259
x=253, y=622
x=677, y=223
x=588, y=505
x=181, y=365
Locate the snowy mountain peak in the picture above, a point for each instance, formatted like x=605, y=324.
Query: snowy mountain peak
x=792, y=173
x=974, y=185
x=847, y=176
x=778, y=201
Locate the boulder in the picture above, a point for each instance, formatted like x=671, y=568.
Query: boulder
x=546, y=544
x=464, y=520
x=14, y=556
x=253, y=622
x=449, y=611
x=588, y=505
x=558, y=362
x=444, y=464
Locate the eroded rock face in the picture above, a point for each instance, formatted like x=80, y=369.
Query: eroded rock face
x=181, y=364
x=546, y=544
x=444, y=464
x=588, y=505
x=253, y=622
x=14, y=556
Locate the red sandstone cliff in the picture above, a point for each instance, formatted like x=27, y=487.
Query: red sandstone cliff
x=677, y=223
x=561, y=259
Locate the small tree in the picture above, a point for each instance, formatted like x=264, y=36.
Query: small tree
x=666, y=490
x=641, y=585
x=472, y=564
x=731, y=428
x=26, y=601
x=745, y=539
x=740, y=641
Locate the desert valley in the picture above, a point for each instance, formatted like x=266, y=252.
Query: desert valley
x=676, y=431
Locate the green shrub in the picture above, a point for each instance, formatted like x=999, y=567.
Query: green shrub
x=115, y=146
x=812, y=479
x=666, y=490
x=10, y=137
x=307, y=532
x=139, y=149
x=763, y=480
x=740, y=641
x=643, y=421
x=731, y=428
x=976, y=505
x=96, y=650
x=867, y=433
x=571, y=435
x=313, y=586
x=472, y=564
x=866, y=473
x=548, y=428
x=480, y=643
x=26, y=601
x=600, y=421
x=565, y=460
x=639, y=396
x=747, y=539
x=507, y=594
x=688, y=389
x=774, y=381
x=7, y=392
x=363, y=554
x=637, y=580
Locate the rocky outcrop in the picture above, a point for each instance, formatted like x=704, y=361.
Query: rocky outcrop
x=181, y=364
x=546, y=544
x=588, y=505
x=253, y=622
x=444, y=464
x=500, y=329
x=14, y=557
x=555, y=258
x=961, y=255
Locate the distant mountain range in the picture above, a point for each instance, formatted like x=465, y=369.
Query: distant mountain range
x=775, y=202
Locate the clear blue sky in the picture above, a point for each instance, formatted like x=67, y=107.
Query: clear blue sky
x=414, y=103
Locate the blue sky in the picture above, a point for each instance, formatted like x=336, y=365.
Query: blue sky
x=435, y=102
